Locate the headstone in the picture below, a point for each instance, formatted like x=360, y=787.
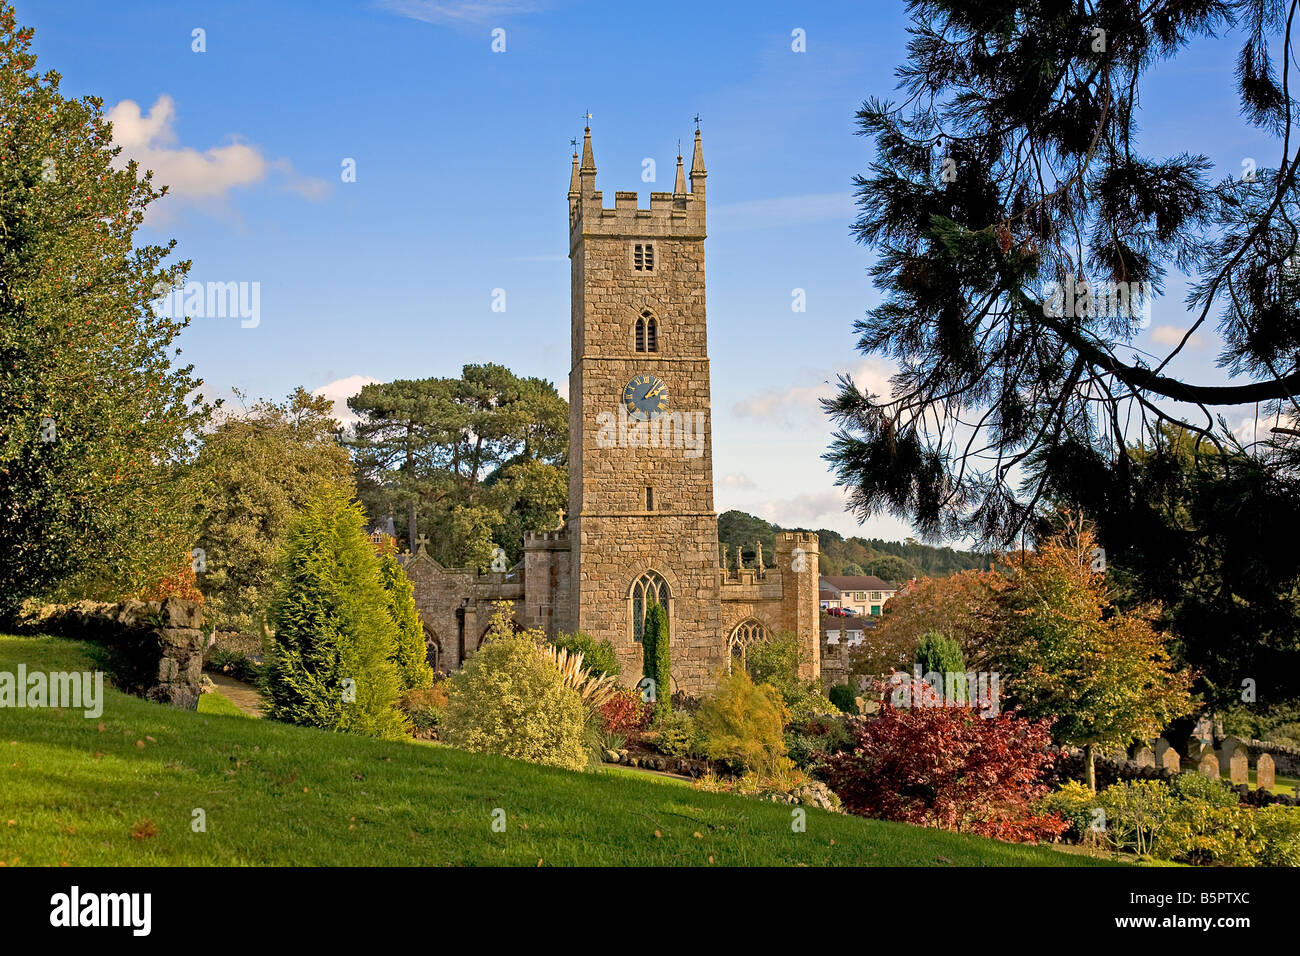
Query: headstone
x=1144, y=757
x=1195, y=748
x=1170, y=760
x=1239, y=765
x=1161, y=747
x=1209, y=765
x=1264, y=772
x=1227, y=748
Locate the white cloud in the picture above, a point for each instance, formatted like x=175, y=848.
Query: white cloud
x=798, y=406
x=458, y=12
x=339, y=391
x=782, y=211
x=200, y=178
x=1172, y=335
x=803, y=510
x=737, y=480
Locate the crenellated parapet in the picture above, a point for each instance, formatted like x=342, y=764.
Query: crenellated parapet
x=677, y=214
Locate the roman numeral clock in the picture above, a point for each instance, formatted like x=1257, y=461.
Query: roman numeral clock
x=645, y=398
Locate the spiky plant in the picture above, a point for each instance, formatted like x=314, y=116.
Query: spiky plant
x=594, y=689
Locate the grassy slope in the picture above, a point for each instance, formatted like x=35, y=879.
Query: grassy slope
x=71, y=792
x=214, y=703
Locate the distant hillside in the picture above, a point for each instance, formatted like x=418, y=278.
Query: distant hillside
x=894, y=561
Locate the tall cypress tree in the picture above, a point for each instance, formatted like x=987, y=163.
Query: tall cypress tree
x=330, y=659
x=655, y=653
x=411, y=658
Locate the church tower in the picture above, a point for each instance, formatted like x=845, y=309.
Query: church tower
x=642, y=523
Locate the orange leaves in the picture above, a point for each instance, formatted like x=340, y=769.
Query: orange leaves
x=144, y=830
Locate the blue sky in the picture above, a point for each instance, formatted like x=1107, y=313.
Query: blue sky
x=462, y=164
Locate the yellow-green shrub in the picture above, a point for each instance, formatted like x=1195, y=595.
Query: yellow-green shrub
x=1075, y=804
x=1278, y=828
x=510, y=699
x=743, y=723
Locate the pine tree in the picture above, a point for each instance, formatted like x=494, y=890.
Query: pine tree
x=411, y=659
x=330, y=659
x=655, y=653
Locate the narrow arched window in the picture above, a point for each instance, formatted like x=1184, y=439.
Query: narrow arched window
x=640, y=334
x=647, y=588
x=651, y=333
x=746, y=634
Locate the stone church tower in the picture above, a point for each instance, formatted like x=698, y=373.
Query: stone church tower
x=641, y=521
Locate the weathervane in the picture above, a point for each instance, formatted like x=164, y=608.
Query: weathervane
x=587, y=116
x=697, y=122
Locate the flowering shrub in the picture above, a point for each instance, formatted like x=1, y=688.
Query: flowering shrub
x=948, y=768
x=624, y=713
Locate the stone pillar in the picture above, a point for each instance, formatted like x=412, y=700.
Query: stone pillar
x=797, y=554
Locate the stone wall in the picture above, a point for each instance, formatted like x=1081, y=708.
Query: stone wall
x=456, y=604
x=154, y=649
x=548, y=563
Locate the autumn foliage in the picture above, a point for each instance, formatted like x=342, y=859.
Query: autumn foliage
x=962, y=606
x=624, y=713
x=949, y=768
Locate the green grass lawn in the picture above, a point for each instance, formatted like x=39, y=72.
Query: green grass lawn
x=1281, y=784
x=123, y=790
x=216, y=703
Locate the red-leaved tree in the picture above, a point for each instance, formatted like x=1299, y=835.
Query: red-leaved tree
x=950, y=768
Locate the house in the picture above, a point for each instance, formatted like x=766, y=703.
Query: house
x=866, y=594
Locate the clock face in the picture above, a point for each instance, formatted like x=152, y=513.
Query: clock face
x=646, y=397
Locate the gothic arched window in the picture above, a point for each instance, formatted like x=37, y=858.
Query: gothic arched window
x=651, y=332
x=747, y=633
x=640, y=334
x=648, y=587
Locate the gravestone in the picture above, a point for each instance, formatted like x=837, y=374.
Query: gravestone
x=1209, y=765
x=1226, y=749
x=1170, y=760
x=1195, y=748
x=1144, y=757
x=1239, y=765
x=1264, y=772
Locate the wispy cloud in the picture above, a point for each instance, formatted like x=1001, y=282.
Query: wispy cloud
x=198, y=178
x=456, y=12
x=1172, y=335
x=805, y=509
x=798, y=406
x=738, y=481
x=782, y=211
